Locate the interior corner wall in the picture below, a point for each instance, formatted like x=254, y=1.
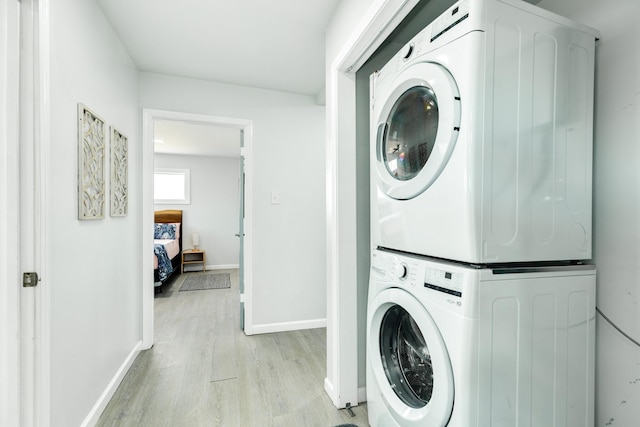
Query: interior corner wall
x=289, y=278
x=214, y=209
x=616, y=200
x=95, y=307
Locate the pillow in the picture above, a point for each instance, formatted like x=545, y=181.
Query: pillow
x=164, y=231
x=177, y=228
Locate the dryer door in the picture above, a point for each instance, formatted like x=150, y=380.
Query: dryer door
x=409, y=360
x=417, y=125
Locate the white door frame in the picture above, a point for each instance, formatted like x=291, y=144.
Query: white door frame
x=149, y=116
x=24, y=213
x=341, y=383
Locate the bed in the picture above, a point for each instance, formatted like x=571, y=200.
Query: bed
x=167, y=245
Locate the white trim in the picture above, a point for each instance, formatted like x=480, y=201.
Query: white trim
x=342, y=361
x=148, y=289
x=107, y=394
x=43, y=357
x=379, y=22
x=289, y=326
x=148, y=118
x=196, y=268
x=223, y=267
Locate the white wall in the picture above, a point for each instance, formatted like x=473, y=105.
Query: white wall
x=616, y=200
x=288, y=157
x=214, y=209
x=95, y=274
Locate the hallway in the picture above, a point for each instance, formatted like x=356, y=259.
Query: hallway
x=204, y=371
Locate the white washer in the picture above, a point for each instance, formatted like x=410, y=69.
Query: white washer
x=450, y=345
x=481, y=146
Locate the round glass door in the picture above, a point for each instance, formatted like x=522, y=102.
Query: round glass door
x=418, y=122
x=406, y=359
x=411, y=132
x=409, y=360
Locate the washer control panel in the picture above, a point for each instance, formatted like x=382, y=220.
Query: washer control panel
x=407, y=270
x=443, y=280
x=449, y=19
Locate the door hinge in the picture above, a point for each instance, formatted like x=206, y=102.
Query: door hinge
x=30, y=279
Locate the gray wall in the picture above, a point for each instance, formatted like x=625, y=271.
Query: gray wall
x=287, y=156
x=214, y=209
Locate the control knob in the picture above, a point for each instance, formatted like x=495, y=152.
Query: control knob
x=401, y=271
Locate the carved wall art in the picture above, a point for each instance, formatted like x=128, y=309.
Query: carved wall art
x=119, y=173
x=91, y=152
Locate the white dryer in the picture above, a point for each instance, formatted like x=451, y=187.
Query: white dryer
x=481, y=146
x=450, y=345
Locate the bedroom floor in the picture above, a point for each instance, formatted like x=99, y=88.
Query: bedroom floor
x=204, y=371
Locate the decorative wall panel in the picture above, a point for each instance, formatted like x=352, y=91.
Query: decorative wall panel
x=119, y=173
x=91, y=152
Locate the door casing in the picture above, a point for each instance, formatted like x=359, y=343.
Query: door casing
x=149, y=116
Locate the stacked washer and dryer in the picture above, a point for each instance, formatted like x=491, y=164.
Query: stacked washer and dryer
x=481, y=307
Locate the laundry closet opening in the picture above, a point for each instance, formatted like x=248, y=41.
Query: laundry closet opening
x=412, y=24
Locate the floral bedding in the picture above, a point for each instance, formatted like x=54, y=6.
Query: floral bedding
x=164, y=262
x=165, y=236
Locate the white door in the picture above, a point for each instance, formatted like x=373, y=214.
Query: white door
x=9, y=214
x=417, y=122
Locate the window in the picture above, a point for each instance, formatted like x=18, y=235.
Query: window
x=171, y=187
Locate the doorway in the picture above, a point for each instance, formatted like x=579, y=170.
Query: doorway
x=150, y=119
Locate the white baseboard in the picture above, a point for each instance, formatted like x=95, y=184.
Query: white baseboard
x=107, y=394
x=287, y=326
x=328, y=388
x=192, y=268
x=223, y=267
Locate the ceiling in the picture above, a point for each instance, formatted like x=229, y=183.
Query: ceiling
x=277, y=45
x=176, y=137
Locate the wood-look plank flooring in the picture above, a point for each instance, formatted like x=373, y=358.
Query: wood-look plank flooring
x=204, y=371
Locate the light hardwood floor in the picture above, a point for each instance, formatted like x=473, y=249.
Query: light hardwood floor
x=204, y=371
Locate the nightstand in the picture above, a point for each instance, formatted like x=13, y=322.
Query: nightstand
x=194, y=256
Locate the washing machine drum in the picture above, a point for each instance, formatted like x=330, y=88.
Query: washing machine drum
x=409, y=360
x=417, y=128
x=405, y=358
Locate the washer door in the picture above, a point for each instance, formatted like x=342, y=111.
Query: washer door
x=416, y=129
x=409, y=360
